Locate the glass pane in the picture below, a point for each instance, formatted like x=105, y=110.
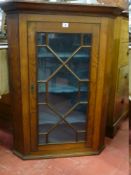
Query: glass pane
x=79, y=63
x=62, y=133
x=63, y=91
x=47, y=118
x=66, y=87
x=87, y=39
x=64, y=44
x=42, y=139
x=81, y=136
x=47, y=63
x=84, y=91
x=41, y=38
x=41, y=92
x=77, y=118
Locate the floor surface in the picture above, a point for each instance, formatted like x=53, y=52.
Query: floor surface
x=114, y=160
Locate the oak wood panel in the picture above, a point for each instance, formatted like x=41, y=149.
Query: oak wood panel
x=121, y=99
x=15, y=84
x=62, y=18
x=24, y=78
x=112, y=53
x=91, y=129
x=124, y=37
x=99, y=120
x=119, y=59
x=107, y=95
x=123, y=54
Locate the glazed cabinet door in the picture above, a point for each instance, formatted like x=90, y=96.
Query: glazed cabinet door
x=63, y=72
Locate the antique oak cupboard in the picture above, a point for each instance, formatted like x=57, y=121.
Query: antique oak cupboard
x=61, y=68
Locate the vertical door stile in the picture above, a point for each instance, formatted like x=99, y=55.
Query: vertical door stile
x=32, y=85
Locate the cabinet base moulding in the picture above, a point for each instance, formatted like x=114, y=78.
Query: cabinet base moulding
x=39, y=155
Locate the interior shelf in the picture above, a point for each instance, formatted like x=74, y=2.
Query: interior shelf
x=61, y=55
x=61, y=89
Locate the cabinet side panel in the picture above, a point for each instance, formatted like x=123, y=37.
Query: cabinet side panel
x=113, y=75
x=24, y=81
x=113, y=63
x=15, y=83
x=108, y=75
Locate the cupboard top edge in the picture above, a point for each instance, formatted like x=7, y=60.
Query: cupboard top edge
x=40, y=7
